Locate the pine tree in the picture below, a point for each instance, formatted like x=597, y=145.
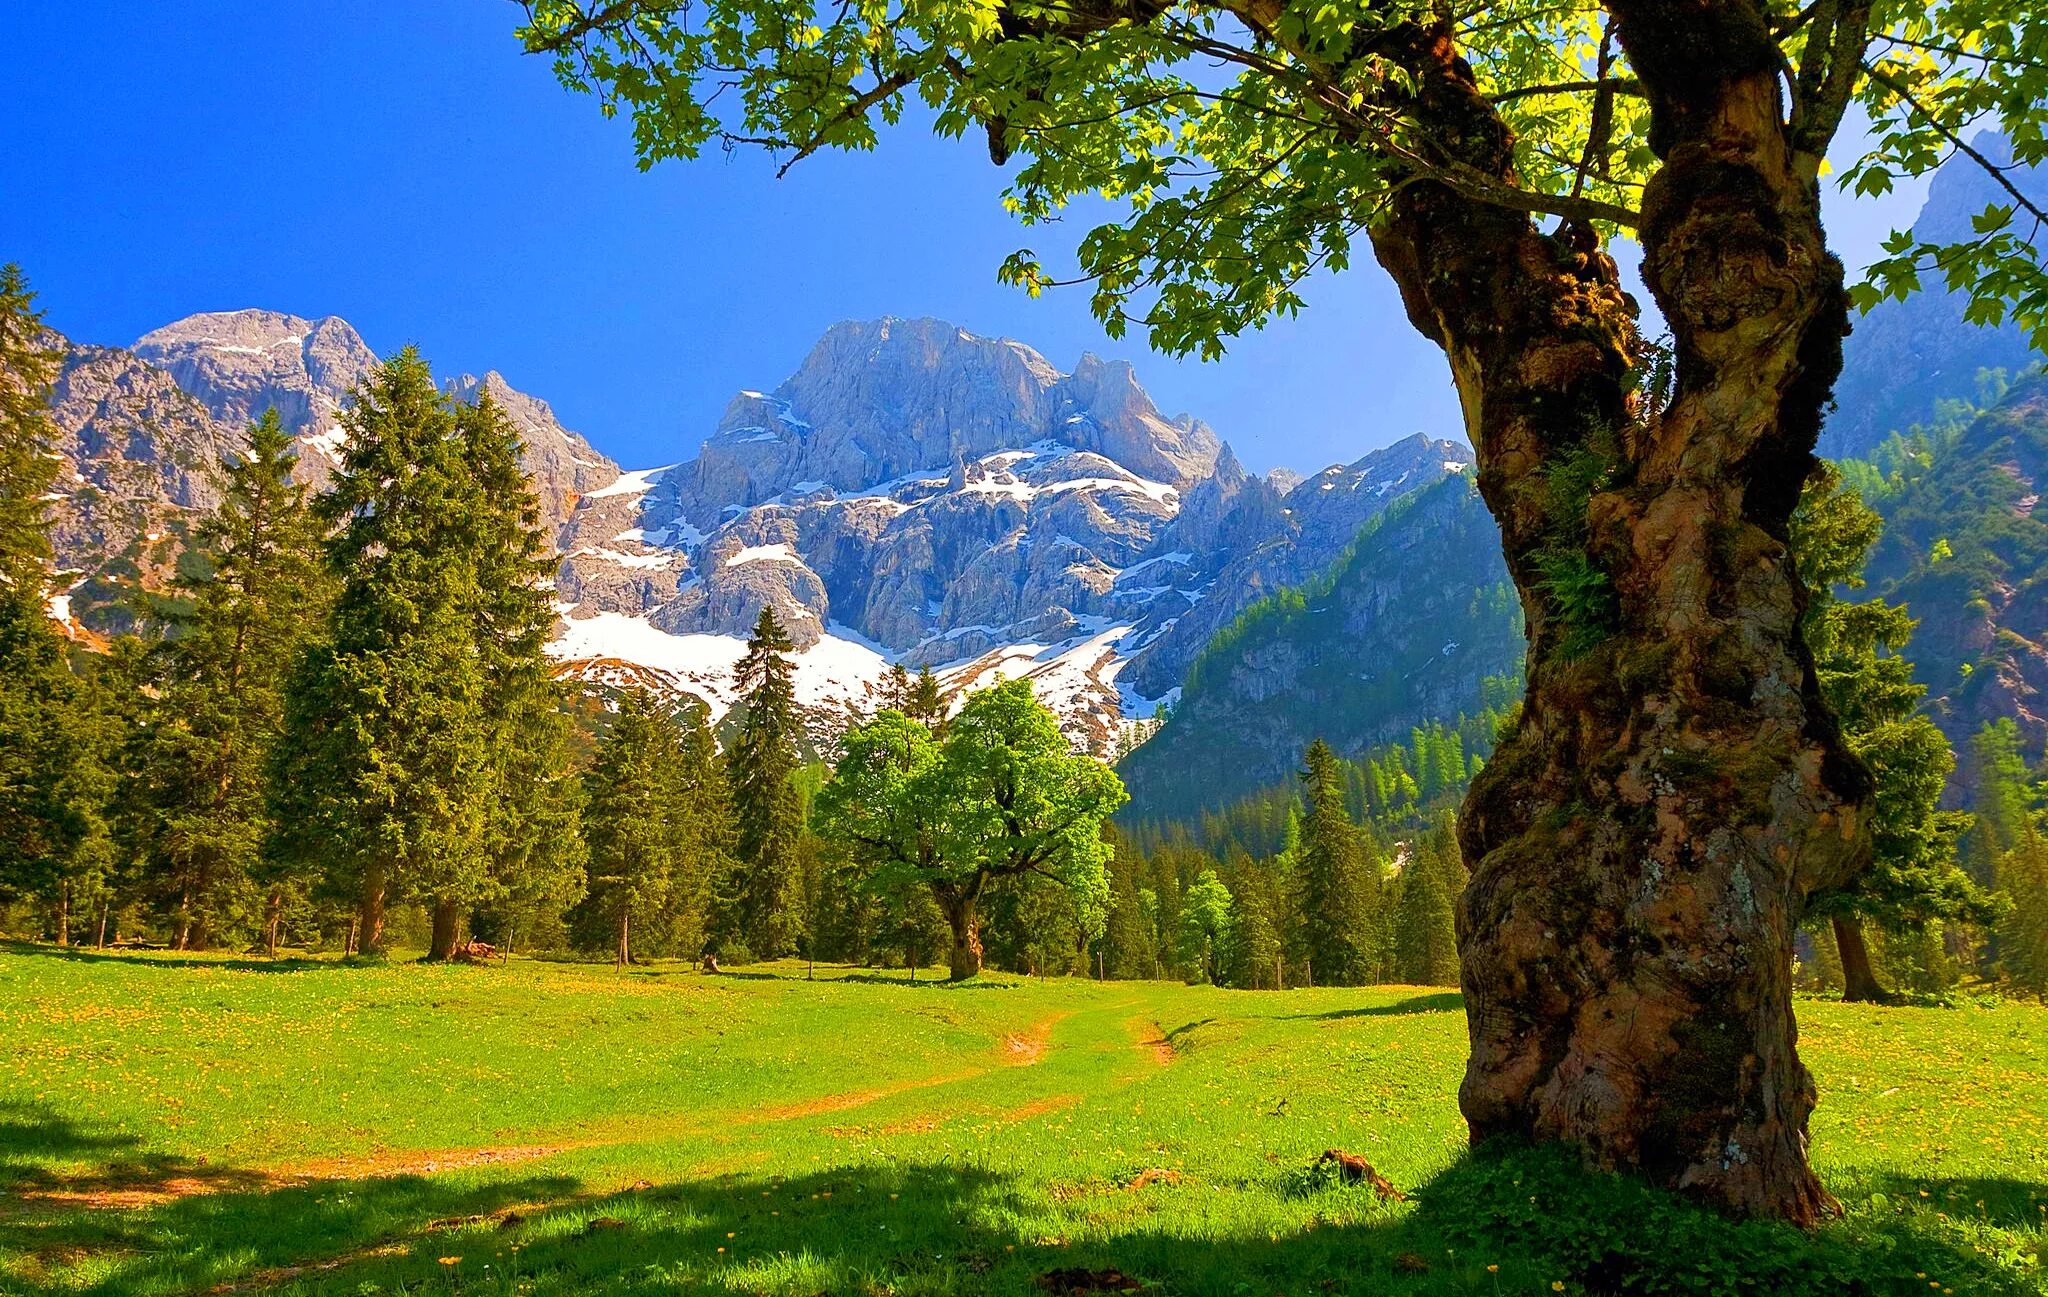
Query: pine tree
x=386, y=773
x=1252, y=958
x=29, y=362
x=533, y=847
x=256, y=592
x=1129, y=947
x=1336, y=935
x=1425, y=928
x=2001, y=795
x=927, y=704
x=768, y=816
x=896, y=689
x=54, y=784
x=1858, y=647
x=708, y=840
x=635, y=820
x=2023, y=931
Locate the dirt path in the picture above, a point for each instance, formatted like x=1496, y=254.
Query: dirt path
x=1147, y=1036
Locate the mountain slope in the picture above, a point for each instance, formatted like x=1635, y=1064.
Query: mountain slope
x=1403, y=629
x=920, y=494
x=912, y=493
x=1964, y=550
x=1906, y=356
x=238, y=364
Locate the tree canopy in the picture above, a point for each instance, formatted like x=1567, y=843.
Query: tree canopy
x=1247, y=143
x=1001, y=795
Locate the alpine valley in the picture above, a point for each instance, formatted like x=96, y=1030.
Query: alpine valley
x=916, y=494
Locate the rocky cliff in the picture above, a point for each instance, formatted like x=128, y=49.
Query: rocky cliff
x=144, y=431
x=912, y=493
x=928, y=496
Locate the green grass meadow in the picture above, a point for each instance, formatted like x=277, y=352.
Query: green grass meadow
x=198, y=1125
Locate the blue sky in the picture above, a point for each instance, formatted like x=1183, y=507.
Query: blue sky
x=401, y=164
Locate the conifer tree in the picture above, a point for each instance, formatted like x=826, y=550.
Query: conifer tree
x=1425, y=928
x=1129, y=949
x=386, y=772
x=2023, y=930
x=708, y=846
x=636, y=820
x=534, y=850
x=2001, y=795
x=927, y=704
x=767, y=814
x=256, y=592
x=1336, y=937
x=1252, y=953
x=896, y=689
x=53, y=782
x=1912, y=879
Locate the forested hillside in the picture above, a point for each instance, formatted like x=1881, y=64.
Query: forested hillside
x=1964, y=550
x=1407, y=628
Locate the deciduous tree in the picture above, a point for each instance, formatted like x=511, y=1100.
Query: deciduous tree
x=1646, y=837
x=1002, y=796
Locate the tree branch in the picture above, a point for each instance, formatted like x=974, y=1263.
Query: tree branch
x=1955, y=138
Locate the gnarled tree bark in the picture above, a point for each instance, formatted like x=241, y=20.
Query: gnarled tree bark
x=1642, y=844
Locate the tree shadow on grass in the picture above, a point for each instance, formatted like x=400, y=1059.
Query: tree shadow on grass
x=133, y=1221
x=919, y=1229
x=1437, y=1002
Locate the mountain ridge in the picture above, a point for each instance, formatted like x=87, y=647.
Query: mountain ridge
x=911, y=493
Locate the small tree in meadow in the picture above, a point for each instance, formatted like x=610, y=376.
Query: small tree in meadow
x=1002, y=795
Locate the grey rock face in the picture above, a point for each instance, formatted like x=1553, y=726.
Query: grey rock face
x=139, y=457
x=937, y=493
x=1261, y=543
x=240, y=363
x=912, y=489
x=560, y=464
x=959, y=502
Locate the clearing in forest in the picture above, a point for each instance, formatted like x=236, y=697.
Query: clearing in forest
x=195, y=1125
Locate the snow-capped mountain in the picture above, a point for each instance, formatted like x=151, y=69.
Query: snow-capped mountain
x=916, y=493
x=913, y=493
x=143, y=430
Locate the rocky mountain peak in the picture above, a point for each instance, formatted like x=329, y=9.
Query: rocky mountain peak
x=240, y=363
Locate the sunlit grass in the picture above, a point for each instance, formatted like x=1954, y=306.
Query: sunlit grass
x=178, y=1126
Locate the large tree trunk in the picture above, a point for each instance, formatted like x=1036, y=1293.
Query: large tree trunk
x=1642, y=843
x=963, y=957
x=447, y=928
x=370, y=911
x=625, y=937
x=64, y=914
x=1859, y=978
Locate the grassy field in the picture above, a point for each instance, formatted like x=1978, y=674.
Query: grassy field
x=200, y=1125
